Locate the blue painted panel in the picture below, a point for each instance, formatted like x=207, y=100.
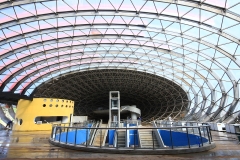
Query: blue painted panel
x=180, y=139
x=82, y=135
x=111, y=136
x=129, y=124
x=133, y=137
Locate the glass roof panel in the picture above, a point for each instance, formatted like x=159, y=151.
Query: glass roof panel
x=42, y=9
x=148, y=7
x=220, y=3
x=235, y=8
x=133, y=37
x=170, y=10
x=234, y=31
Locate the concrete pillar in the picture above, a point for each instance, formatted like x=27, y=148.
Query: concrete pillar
x=133, y=116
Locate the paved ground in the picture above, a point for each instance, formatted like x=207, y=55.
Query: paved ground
x=34, y=145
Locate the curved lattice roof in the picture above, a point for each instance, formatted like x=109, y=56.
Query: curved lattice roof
x=155, y=96
x=193, y=43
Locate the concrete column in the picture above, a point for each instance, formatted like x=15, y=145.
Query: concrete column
x=133, y=116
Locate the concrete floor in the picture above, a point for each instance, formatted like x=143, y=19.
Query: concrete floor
x=34, y=145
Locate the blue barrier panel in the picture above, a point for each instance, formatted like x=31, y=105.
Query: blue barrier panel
x=129, y=124
x=81, y=136
x=133, y=136
x=180, y=138
x=111, y=136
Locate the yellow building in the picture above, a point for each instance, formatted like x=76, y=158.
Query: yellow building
x=40, y=113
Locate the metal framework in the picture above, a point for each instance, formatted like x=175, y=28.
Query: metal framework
x=193, y=43
x=157, y=97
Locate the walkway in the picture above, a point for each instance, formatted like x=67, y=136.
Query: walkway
x=23, y=145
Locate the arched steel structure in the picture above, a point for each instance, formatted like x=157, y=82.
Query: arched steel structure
x=155, y=96
x=193, y=43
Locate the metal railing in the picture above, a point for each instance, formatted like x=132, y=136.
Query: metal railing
x=123, y=123
x=167, y=123
x=74, y=124
x=132, y=122
x=193, y=137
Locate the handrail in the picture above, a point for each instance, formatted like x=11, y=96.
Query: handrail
x=142, y=128
x=158, y=136
x=139, y=140
x=96, y=130
x=105, y=135
x=69, y=124
x=94, y=133
x=176, y=123
x=115, y=139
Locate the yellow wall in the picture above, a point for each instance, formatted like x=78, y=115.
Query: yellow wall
x=29, y=110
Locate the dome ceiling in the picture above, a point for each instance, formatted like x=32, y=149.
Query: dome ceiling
x=155, y=96
x=193, y=43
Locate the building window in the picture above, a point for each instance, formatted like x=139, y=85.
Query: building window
x=44, y=105
x=50, y=105
x=56, y=105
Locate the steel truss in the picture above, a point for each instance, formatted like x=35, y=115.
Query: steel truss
x=157, y=97
x=195, y=44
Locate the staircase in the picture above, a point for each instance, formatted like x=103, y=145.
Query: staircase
x=2, y=123
x=147, y=139
x=92, y=132
x=11, y=112
x=3, y=117
x=7, y=114
x=121, y=138
x=99, y=136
